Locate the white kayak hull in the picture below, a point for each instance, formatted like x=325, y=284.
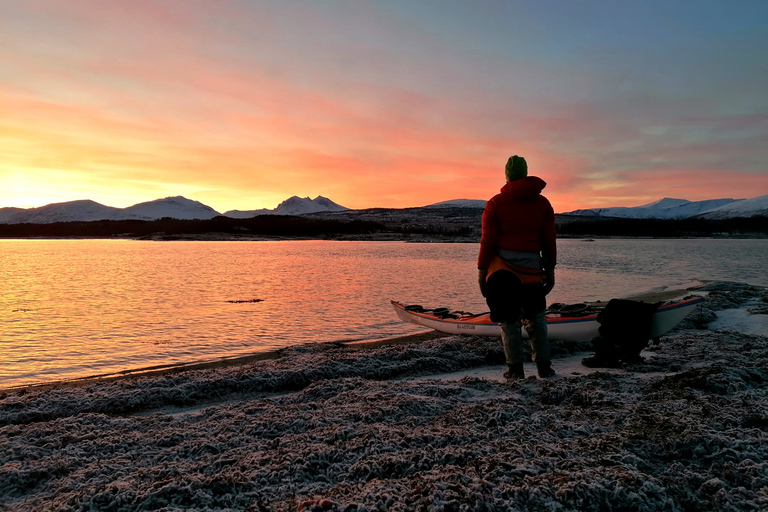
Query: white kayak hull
x=559, y=327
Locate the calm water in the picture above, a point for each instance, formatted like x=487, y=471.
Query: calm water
x=74, y=308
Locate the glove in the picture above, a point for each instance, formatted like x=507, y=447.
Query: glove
x=549, y=280
x=482, y=275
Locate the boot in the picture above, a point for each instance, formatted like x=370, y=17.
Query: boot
x=545, y=369
x=606, y=355
x=515, y=372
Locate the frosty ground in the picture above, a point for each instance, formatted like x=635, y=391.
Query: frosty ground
x=412, y=426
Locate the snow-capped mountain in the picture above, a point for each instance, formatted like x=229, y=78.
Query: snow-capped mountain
x=82, y=210
x=86, y=210
x=247, y=214
x=292, y=206
x=177, y=207
x=459, y=203
x=7, y=213
x=300, y=205
x=181, y=208
x=745, y=208
x=666, y=208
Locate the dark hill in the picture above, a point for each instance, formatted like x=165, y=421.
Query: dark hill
x=448, y=223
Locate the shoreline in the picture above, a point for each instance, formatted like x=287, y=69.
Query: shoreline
x=162, y=370
x=409, y=424
x=169, y=369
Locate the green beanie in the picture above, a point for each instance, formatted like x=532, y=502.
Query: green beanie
x=516, y=168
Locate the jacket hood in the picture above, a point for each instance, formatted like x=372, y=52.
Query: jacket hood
x=524, y=188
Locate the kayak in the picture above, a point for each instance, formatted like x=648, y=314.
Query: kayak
x=574, y=323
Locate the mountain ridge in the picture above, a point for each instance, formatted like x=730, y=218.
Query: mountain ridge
x=294, y=205
x=671, y=208
x=175, y=207
x=179, y=207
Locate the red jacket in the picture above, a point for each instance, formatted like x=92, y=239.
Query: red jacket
x=519, y=219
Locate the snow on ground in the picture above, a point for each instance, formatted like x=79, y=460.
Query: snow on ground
x=741, y=320
x=409, y=426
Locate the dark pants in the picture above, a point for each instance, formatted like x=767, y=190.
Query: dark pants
x=509, y=301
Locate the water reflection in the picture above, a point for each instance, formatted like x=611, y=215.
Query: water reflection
x=72, y=308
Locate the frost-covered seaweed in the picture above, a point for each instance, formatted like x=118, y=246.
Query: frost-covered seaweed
x=294, y=369
x=329, y=428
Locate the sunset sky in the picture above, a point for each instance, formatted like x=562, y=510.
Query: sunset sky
x=242, y=104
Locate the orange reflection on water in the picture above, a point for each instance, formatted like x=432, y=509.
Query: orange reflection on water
x=75, y=308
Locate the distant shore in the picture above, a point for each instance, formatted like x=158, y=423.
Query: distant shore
x=414, y=224
x=385, y=237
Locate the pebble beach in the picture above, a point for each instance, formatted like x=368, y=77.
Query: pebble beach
x=419, y=423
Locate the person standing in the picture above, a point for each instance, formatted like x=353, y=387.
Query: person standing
x=516, y=265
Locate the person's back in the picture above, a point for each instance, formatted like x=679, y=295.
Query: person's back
x=518, y=218
x=516, y=264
